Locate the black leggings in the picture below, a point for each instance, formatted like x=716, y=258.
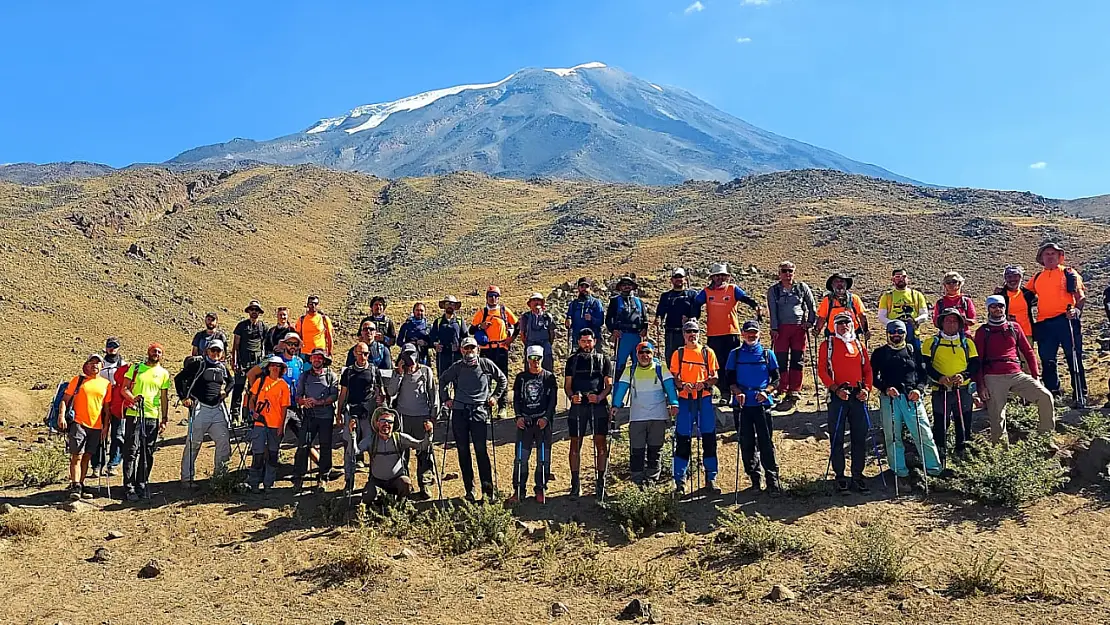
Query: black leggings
x=470, y=427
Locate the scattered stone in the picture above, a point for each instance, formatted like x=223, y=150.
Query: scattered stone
x=405, y=554
x=41, y=440
x=115, y=535
x=660, y=535
x=559, y=609
x=780, y=593
x=77, y=506
x=101, y=555
x=922, y=588
x=533, y=529
x=1091, y=460
x=40, y=386
x=152, y=569
x=264, y=515
x=636, y=609
x=339, y=621
x=450, y=475
x=6, y=508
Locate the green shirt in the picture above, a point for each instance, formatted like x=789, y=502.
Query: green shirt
x=904, y=304
x=148, y=382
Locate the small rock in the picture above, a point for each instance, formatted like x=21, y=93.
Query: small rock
x=40, y=440
x=780, y=593
x=152, y=569
x=40, y=386
x=660, y=535
x=405, y=554
x=101, y=555
x=77, y=506
x=450, y=475
x=6, y=508
x=115, y=535
x=339, y=621
x=636, y=609
x=264, y=515
x=559, y=609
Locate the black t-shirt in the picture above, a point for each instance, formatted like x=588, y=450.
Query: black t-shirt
x=274, y=336
x=251, y=336
x=200, y=340
x=211, y=380
x=535, y=394
x=588, y=371
x=361, y=385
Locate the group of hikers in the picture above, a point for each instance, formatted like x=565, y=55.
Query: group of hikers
x=383, y=405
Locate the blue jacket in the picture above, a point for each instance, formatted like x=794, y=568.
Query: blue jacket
x=752, y=368
x=448, y=332
x=577, y=309
x=415, y=330
x=626, y=314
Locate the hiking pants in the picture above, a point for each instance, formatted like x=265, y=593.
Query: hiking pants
x=500, y=357
x=848, y=414
x=645, y=439
x=722, y=345
x=400, y=486
x=754, y=428
x=264, y=456
x=313, y=429
x=141, y=436
x=526, y=438
x=896, y=413
x=211, y=420
x=947, y=406
x=445, y=359
x=1052, y=335
x=413, y=425
x=1024, y=386
x=350, y=458
x=548, y=354
x=703, y=414
x=471, y=427
x=114, y=452
x=626, y=349
x=790, y=349
x=672, y=340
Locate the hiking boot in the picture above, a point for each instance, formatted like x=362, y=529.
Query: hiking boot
x=111, y=472
x=132, y=496
x=488, y=493
x=711, y=487
x=94, y=473
x=756, y=486
x=73, y=491
x=86, y=493
x=421, y=495
x=540, y=497
x=511, y=501
x=773, y=487
x=575, y=488
x=321, y=487
x=860, y=486
x=787, y=404
x=599, y=487
x=470, y=496
x=841, y=485
x=680, y=488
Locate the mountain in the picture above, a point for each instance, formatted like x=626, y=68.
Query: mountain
x=589, y=121
x=32, y=173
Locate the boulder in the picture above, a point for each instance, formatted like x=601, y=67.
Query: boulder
x=101, y=555
x=153, y=569
x=1091, y=460
x=636, y=609
x=780, y=594
x=114, y=535
x=6, y=508
x=404, y=554
x=559, y=609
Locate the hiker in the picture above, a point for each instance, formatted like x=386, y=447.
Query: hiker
x=202, y=385
x=447, y=334
x=587, y=382
x=388, y=448
x=845, y=370
x=267, y=405
x=382, y=321
x=289, y=349
x=415, y=388
x=537, y=328
x=793, y=312
x=1020, y=301
x=416, y=331
x=379, y=353
x=361, y=391
x=211, y=331
x=493, y=326
x=905, y=304
x=752, y=372
x=317, y=393
x=478, y=385
x=722, y=327
x=584, y=311
x=84, y=404
x=112, y=369
x=535, y=397
x=952, y=361
x=675, y=307
x=146, y=393
x=247, y=350
x=277, y=332
x=315, y=330
x=899, y=374
x=1060, y=300
x=998, y=343
x=694, y=367
x=839, y=298
x=648, y=389
x=954, y=297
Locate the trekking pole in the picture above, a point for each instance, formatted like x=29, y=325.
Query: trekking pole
x=103, y=478
x=918, y=409
x=736, y=485
x=518, y=490
x=943, y=444
x=832, y=441
x=493, y=444
x=545, y=470
x=813, y=371
x=605, y=469
x=445, y=413
x=697, y=437
x=960, y=417
x=1076, y=384
x=899, y=433
x=143, y=468
x=874, y=445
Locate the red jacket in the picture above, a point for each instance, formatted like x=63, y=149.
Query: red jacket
x=998, y=350
x=115, y=405
x=846, y=367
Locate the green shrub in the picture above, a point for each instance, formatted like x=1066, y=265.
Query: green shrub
x=977, y=576
x=757, y=536
x=46, y=464
x=873, y=555
x=362, y=559
x=1009, y=475
x=21, y=523
x=805, y=486
x=1021, y=418
x=225, y=482
x=1094, y=424
x=459, y=529
x=642, y=510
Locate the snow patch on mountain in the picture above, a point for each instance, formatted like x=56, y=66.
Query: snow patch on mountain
x=567, y=71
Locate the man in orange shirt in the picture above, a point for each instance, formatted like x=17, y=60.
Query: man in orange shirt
x=493, y=327
x=845, y=370
x=267, y=404
x=1060, y=300
x=694, y=367
x=84, y=420
x=722, y=327
x=1020, y=304
x=839, y=298
x=315, y=329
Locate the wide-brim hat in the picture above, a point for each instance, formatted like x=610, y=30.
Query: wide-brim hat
x=947, y=312
x=536, y=296
x=290, y=335
x=1051, y=245
x=274, y=360
x=450, y=299
x=719, y=269
x=254, y=304
x=838, y=276
x=320, y=352
x=627, y=280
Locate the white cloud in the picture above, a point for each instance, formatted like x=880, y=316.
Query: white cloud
x=743, y=40
x=755, y=2
x=694, y=8
x=1038, y=165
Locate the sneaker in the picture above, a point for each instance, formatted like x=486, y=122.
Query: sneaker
x=94, y=473
x=470, y=496
x=773, y=488
x=711, y=487
x=86, y=493
x=599, y=487
x=488, y=492
x=787, y=404
x=74, y=491
x=756, y=486
x=111, y=472
x=841, y=485
x=575, y=489
x=860, y=486
x=421, y=495
x=132, y=496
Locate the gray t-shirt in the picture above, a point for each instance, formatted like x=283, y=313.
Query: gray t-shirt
x=417, y=393
x=386, y=461
x=793, y=306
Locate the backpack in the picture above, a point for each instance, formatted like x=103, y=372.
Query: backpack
x=963, y=305
x=1009, y=326
x=630, y=317
x=704, y=359
x=632, y=377
x=1071, y=280
x=483, y=339
x=852, y=308
x=51, y=419
x=829, y=353
x=963, y=343
x=115, y=406
x=801, y=289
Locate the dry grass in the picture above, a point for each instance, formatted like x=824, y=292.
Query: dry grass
x=21, y=524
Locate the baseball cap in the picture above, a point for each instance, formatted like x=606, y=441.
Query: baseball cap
x=215, y=344
x=534, y=351
x=112, y=343
x=94, y=357
x=996, y=299
x=679, y=272
x=691, y=326
x=896, y=325
x=749, y=325
x=470, y=341
x=645, y=346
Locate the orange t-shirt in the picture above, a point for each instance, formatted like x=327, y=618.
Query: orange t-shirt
x=91, y=401
x=273, y=400
x=314, y=330
x=830, y=307
x=720, y=310
x=1019, y=310
x=1051, y=288
x=498, y=331
x=698, y=364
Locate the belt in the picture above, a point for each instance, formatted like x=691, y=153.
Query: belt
x=494, y=345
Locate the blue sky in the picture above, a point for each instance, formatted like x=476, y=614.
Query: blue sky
x=987, y=93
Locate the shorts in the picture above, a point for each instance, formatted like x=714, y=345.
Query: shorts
x=82, y=440
x=583, y=417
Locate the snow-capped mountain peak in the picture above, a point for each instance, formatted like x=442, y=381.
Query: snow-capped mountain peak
x=567, y=71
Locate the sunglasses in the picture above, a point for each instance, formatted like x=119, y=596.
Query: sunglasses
x=786, y=271
x=215, y=349
x=896, y=332
x=362, y=353
x=385, y=421
x=951, y=282
x=292, y=344
x=535, y=358
x=692, y=332
x=645, y=351
x=468, y=348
